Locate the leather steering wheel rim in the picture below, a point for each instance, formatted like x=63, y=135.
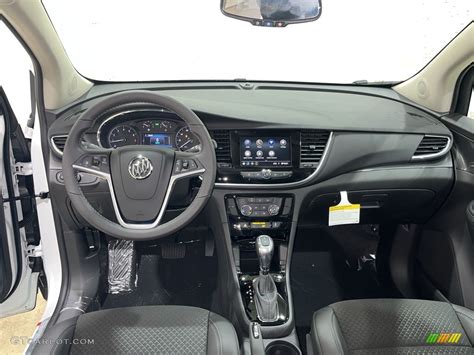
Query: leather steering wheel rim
x=75, y=153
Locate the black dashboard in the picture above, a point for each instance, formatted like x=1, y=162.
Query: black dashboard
x=274, y=135
x=277, y=136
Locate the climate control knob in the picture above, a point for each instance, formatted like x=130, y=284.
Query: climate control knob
x=273, y=210
x=246, y=210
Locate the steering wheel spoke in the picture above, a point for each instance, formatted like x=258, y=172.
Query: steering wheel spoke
x=187, y=165
x=95, y=162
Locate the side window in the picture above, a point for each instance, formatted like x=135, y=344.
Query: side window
x=470, y=112
x=15, y=67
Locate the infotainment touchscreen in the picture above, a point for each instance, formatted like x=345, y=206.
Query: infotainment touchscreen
x=265, y=151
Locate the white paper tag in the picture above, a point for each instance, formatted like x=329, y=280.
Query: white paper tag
x=344, y=213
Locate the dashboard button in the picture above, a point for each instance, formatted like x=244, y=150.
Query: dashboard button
x=287, y=207
x=266, y=173
x=231, y=208
x=276, y=224
x=60, y=177
x=277, y=201
x=246, y=210
x=273, y=210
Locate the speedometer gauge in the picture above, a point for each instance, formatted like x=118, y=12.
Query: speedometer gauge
x=122, y=135
x=186, y=141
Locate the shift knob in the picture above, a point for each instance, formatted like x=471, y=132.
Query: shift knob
x=264, y=246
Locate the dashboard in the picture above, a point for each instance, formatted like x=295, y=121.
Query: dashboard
x=269, y=136
x=148, y=127
x=312, y=142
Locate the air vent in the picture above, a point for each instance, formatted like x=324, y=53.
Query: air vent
x=432, y=147
x=313, y=145
x=58, y=143
x=223, y=157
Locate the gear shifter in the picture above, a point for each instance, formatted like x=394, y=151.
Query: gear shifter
x=265, y=290
x=264, y=245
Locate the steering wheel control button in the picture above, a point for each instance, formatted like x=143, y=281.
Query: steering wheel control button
x=96, y=161
x=184, y=165
x=178, y=166
x=140, y=167
x=192, y=165
x=86, y=162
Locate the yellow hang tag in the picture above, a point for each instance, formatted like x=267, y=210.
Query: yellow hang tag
x=344, y=213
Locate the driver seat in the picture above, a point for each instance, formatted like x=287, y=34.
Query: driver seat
x=142, y=330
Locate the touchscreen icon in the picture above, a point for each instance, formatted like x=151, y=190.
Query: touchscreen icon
x=283, y=142
x=271, y=153
x=259, y=143
x=247, y=142
x=248, y=153
x=271, y=141
x=259, y=153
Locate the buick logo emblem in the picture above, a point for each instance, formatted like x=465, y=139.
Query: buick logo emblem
x=140, y=167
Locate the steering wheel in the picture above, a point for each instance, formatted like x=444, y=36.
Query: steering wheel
x=140, y=178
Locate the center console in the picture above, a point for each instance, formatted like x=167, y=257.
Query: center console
x=260, y=225
x=251, y=217
x=268, y=156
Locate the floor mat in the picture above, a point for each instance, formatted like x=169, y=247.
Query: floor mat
x=149, y=290
x=320, y=276
x=314, y=284
x=186, y=281
x=190, y=281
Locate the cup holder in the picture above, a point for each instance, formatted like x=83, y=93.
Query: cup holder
x=281, y=347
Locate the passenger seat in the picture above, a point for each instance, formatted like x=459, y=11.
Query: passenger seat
x=392, y=326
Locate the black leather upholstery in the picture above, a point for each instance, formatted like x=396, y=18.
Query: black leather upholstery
x=391, y=326
x=145, y=330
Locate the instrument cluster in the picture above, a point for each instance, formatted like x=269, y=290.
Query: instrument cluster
x=164, y=132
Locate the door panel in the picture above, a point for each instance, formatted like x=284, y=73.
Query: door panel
x=18, y=284
x=8, y=261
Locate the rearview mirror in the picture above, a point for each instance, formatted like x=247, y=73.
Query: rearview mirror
x=272, y=13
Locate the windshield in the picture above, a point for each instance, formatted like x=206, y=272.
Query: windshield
x=192, y=40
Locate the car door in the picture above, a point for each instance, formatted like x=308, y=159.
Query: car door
x=20, y=247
